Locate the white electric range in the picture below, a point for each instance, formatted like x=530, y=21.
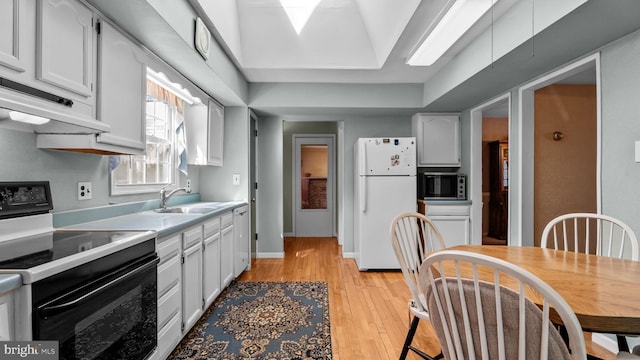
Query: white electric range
x=94, y=292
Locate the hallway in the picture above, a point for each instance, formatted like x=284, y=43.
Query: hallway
x=357, y=330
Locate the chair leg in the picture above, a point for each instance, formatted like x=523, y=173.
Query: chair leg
x=407, y=343
x=622, y=343
x=409, y=338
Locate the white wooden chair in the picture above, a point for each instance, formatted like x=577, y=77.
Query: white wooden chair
x=587, y=232
x=597, y=234
x=476, y=319
x=414, y=237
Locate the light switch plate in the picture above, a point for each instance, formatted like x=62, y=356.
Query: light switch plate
x=638, y=151
x=236, y=179
x=85, y=190
x=188, y=185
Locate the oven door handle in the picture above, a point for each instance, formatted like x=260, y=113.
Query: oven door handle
x=50, y=310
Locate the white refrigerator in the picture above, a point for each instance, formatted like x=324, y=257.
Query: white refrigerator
x=384, y=187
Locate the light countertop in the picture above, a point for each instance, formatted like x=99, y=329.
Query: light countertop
x=163, y=223
x=9, y=282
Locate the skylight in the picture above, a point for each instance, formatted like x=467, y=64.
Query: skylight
x=299, y=12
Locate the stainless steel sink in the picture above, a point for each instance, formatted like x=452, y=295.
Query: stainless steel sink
x=185, y=210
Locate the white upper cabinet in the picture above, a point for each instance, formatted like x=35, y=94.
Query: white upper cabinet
x=122, y=88
x=13, y=21
x=438, y=139
x=205, y=134
x=65, y=45
x=216, y=134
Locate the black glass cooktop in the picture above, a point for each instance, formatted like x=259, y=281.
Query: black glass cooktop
x=31, y=251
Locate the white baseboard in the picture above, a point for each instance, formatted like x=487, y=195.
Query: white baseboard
x=605, y=341
x=270, y=255
x=349, y=255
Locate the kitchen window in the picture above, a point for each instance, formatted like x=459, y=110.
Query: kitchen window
x=158, y=168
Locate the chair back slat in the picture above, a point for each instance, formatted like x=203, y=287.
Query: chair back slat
x=480, y=309
x=414, y=237
x=592, y=234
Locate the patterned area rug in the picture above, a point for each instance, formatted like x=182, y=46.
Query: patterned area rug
x=263, y=320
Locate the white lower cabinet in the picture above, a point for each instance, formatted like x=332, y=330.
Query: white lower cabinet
x=6, y=317
x=211, y=261
x=241, y=240
x=453, y=222
x=191, y=277
x=169, y=250
x=226, y=249
x=195, y=265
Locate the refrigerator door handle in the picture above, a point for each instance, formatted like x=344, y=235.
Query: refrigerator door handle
x=363, y=193
x=363, y=178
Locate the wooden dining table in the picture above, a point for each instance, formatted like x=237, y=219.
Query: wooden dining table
x=604, y=292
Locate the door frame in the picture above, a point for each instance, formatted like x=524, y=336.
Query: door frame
x=253, y=185
x=476, y=168
x=525, y=177
x=331, y=178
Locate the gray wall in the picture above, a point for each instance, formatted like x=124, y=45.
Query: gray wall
x=620, y=129
x=620, y=76
x=217, y=182
x=20, y=160
x=270, y=170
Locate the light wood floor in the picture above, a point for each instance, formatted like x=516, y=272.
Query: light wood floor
x=368, y=310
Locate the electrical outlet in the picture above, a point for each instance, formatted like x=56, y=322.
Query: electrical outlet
x=188, y=185
x=236, y=179
x=85, y=190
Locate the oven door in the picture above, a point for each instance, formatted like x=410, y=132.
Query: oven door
x=113, y=317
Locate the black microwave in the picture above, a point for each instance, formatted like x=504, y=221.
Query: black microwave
x=442, y=186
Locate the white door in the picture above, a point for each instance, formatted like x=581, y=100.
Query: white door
x=314, y=164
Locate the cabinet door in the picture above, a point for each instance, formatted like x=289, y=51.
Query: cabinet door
x=438, y=139
x=216, y=134
x=454, y=229
x=196, y=118
x=122, y=79
x=12, y=34
x=65, y=45
x=211, y=269
x=226, y=255
x=191, y=286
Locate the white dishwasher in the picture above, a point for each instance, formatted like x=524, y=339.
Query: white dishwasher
x=452, y=220
x=241, y=239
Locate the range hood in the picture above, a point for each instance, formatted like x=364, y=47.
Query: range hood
x=25, y=108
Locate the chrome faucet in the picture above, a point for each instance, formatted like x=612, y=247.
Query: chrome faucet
x=164, y=197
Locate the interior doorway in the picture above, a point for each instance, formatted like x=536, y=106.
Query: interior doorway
x=495, y=173
x=490, y=136
x=560, y=148
x=314, y=184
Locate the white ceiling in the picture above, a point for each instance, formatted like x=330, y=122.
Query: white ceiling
x=343, y=41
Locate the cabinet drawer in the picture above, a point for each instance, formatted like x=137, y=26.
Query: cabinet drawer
x=168, y=248
x=211, y=227
x=169, y=336
x=168, y=275
x=448, y=210
x=227, y=219
x=191, y=237
x=168, y=306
